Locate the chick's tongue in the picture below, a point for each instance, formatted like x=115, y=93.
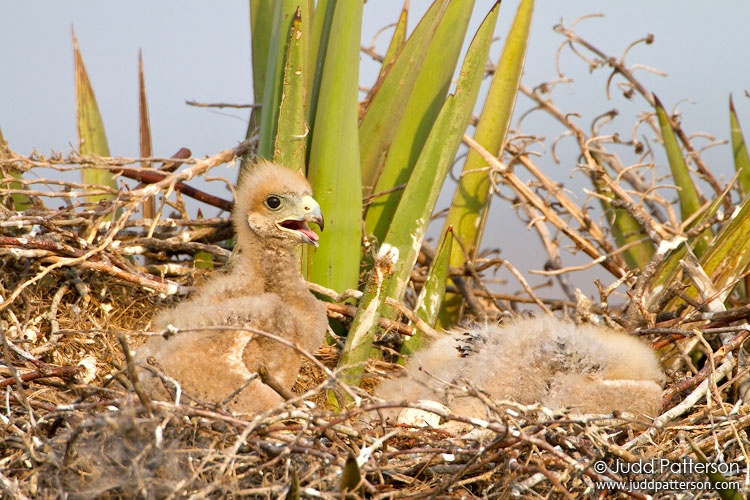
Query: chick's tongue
x=309, y=233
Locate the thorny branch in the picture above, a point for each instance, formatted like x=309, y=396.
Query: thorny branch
x=619, y=67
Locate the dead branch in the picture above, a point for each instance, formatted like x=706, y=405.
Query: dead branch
x=66, y=373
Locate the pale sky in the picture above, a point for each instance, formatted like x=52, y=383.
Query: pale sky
x=196, y=50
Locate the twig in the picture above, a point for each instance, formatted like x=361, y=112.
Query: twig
x=350, y=311
x=11, y=488
x=274, y=383
x=527, y=194
x=133, y=376
x=620, y=67
x=675, y=390
x=400, y=307
x=152, y=177
x=151, y=282
x=63, y=372
x=221, y=105
x=526, y=286
x=686, y=404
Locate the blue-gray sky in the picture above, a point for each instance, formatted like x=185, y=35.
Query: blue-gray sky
x=200, y=50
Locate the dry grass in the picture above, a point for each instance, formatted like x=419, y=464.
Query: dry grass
x=72, y=426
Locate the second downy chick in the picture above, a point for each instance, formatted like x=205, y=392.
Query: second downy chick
x=587, y=368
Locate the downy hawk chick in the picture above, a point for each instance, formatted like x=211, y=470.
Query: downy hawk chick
x=263, y=289
x=587, y=368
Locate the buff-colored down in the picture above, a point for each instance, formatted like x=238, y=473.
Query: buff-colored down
x=587, y=368
x=263, y=289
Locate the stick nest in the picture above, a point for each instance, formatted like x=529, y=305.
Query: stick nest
x=81, y=280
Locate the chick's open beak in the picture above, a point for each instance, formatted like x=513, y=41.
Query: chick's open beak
x=310, y=212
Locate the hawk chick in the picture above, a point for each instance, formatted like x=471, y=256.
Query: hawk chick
x=588, y=368
x=263, y=290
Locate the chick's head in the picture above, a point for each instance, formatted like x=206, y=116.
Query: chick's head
x=275, y=204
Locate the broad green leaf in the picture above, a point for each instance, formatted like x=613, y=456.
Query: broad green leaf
x=728, y=256
x=359, y=339
x=665, y=275
x=321, y=34
x=261, y=12
x=202, y=259
x=334, y=154
x=387, y=102
x=399, y=251
x=92, y=139
x=421, y=193
x=20, y=201
x=422, y=108
x=739, y=150
x=397, y=40
x=293, y=493
x=351, y=479
x=431, y=297
x=144, y=133
x=291, y=138
x=625, y=229
x=471, y=202
x=281, y=25
x=428, y=302
x=687, y=192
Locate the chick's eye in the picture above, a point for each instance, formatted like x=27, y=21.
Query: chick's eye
x=273, y=202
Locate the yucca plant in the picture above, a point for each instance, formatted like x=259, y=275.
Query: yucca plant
x=18, y=201
x=719, y=242
x=394, y=149
x=648, y=250
x=92, y=140
x=379, y=164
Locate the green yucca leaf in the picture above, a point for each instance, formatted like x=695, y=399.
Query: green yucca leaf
x=261, y=12
x=668, y=270
x=625, y=229
x=419, y=114
x=665, y=275
x=359, y=339
x=20, y=201
x=351, y=479
x=291, y=138
x=397, y=40
x=202, y=259
x=428, y=302
x=388, y=98
x=294, y=490
x=399, y=251
x=333, y=167
x=293, y=493
x=687, y=192
x=728, y=256
x=281, y=21
x=431, y=297
x=739, y=149
x=144, y=135
x=321, y=34
x=421, y=193
x=92, y=140
x=471, y=202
